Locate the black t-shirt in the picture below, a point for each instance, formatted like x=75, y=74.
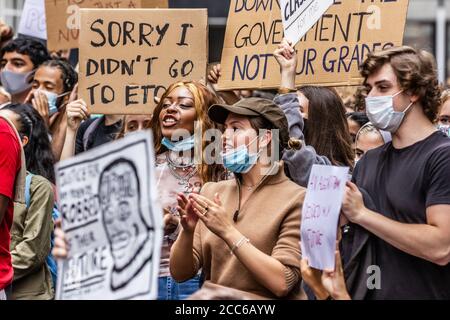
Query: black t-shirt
x=402, y=184
x=101, y=135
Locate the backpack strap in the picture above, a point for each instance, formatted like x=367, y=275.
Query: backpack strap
x=28, y=189
x=89, y=130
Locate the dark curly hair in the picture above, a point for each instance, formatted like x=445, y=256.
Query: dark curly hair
x=416, y=73
x=37, y=52
x=68, y=74
x=38, y=151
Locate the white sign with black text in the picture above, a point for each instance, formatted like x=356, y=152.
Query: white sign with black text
x=300, y=15
x=112, y=220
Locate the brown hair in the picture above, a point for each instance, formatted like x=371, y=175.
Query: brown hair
x=327, y=128
x=203, y=99
x=415, y=71
x=260, y=123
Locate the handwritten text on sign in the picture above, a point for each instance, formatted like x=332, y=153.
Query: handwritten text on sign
x=112, y=220
x=320, y=215
x=32, y=21
x=300, y=15
x=330, y=53
x=129, y=57
x=63, y=23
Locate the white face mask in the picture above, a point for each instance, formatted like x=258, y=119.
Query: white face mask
x=380, y=111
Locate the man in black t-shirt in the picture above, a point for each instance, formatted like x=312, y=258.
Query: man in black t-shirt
x=408, y=179
x=94, y=132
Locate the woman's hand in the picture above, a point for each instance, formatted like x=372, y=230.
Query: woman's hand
x=333, y=280
x=212, y=214
x=312, y=278
x=188, y=217
x=287, y=59
x=214, y=74
x=171, y=222
x=77, y=111
x=61, y=248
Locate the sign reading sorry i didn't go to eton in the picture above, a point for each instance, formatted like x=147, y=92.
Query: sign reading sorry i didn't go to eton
x=330, y=53
x=129, y=57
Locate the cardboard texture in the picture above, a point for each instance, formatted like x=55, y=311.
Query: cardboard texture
x=329, y=54
x=122, y=73
x=63, y=17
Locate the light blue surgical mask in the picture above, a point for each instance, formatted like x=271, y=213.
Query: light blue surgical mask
x=183, y=145
x=51, y=99
x=15, y=82
x=380, y=111
x=239, y=160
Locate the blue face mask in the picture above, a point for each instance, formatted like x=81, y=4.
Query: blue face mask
x=183, y=145
x=51, y=98
x=444, y=128
x=239, y=160
x=15, y=82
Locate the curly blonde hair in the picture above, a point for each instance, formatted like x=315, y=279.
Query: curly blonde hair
x=416, y=73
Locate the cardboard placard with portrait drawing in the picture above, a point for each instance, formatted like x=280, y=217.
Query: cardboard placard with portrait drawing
x=112, y=220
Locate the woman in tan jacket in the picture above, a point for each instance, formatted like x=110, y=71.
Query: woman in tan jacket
x=244, y=233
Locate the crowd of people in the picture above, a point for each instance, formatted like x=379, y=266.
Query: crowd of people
x=232, y=228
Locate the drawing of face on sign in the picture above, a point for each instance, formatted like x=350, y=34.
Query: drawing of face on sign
x=129, y=234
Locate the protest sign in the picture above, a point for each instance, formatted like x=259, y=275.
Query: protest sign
x=299, y=16
x=128, y=57
x=64, y=17
x=112, y=220
x=155, y=3
x=320, y=215
x=329, y=54
x=32, y=21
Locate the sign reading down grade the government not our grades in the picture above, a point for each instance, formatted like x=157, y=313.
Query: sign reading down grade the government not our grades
x=329, y=54
x=129, y=57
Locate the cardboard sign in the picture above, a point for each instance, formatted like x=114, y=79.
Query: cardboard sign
x=64, y=17
x=32, y=21
x=127, y=57
x=329, y=54
x=299, y=16
x=112, y=220
x=320, y=215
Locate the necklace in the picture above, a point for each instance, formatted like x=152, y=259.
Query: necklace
x=250, y=188
x=188, y=167
x=179, y=162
